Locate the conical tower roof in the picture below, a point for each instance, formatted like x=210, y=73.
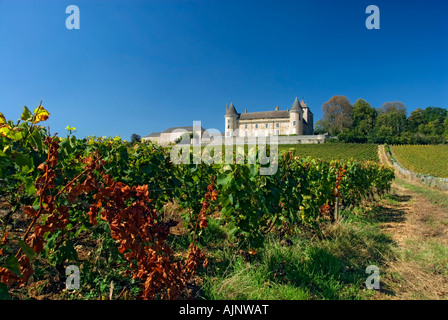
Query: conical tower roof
x=231, y=110
x=296, y=106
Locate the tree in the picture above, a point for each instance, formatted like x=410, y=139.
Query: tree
x=135, y=138
x=428, y=123
x=337, y=114
x=320, y=127
x=431, y=114
x=396, y=106
x=364, y=116
x=445, y=126
x=415, y=120
x=392, y=119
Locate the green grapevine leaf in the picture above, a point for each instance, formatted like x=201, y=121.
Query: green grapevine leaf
x=26, y=114
x=4, y=294
x=24, y=162
x=26, y=249
x=12, y=264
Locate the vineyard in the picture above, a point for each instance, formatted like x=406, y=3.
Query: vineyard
x=334, y=151
x=426, y=159
x=103, y=205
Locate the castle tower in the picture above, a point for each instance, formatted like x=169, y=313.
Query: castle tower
x=308, y=117
x=296, y=119
x=231, y=119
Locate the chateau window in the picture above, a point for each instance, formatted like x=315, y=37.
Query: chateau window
x=293, y=123
x=278, y=131
x=245, y=128
x=278, y=125
x=267, y=125
x=256, y=126
x=228, y=126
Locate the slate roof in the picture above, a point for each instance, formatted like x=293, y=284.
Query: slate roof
x=276, y=114
x=187, y=128
x=296, y=106
x=171, y=129
x=231, y=109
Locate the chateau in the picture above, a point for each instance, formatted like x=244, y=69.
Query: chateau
x=297, y=121
x=291, y=126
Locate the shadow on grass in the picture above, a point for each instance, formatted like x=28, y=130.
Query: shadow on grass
x=333, y=268
x=387, y=213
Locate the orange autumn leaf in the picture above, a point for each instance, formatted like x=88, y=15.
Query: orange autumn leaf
x=252, y=251
x=30, y=211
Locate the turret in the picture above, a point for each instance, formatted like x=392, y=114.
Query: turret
x=231, y=119
x=308, y=117
x=296, y=118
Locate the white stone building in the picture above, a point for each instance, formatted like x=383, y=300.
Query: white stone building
x=297, y=121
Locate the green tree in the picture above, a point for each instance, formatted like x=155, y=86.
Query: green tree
x=415, y=120
x=445, y=126
x=427, y=125
x=392, y=115
x=364, y=117
x=320, y=127
x=135, y=138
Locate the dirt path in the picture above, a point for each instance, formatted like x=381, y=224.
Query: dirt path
x=419, y=228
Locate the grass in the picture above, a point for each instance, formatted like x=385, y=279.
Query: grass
x=332, y=267
x=431, y=254
x=436, y=197
x=419, y=269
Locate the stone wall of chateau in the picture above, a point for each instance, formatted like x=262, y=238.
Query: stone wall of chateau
x=263, y=127
x=302, y=139
x=168, y=137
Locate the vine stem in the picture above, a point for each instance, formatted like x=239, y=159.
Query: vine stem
x=39, y=212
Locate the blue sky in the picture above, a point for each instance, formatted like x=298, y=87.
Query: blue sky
x=143, y=66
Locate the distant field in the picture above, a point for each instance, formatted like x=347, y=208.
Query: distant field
x=427, y=159
x=328, y=151
x=334, y=151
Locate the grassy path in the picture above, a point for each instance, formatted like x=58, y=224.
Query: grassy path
x=419, y=228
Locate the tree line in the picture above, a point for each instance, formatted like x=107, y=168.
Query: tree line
x=362, y=123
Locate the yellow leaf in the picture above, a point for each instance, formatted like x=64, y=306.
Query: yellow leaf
x=40, y=114
x=70, y=128
x=8, y=132
x=2, y=119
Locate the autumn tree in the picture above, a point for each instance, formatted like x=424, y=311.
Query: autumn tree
x=337, y=114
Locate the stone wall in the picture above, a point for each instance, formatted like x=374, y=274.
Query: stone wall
x=254, y=140
x=431, y=181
